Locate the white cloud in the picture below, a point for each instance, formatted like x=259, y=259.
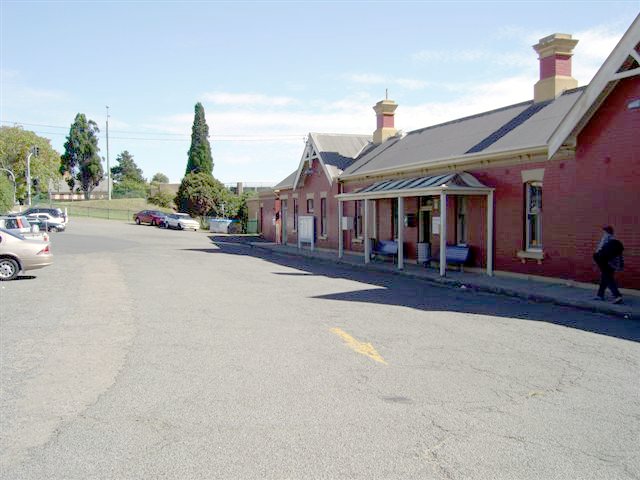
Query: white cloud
x=477, y=99
x=247, y=99
x=375, y=79
x=593, y=48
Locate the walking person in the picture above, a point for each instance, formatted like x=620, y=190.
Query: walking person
x=608, y=257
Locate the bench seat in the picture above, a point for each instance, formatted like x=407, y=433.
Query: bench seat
x=455, y=255
x=385, y=248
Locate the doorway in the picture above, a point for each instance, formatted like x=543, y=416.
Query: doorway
x=424, y=235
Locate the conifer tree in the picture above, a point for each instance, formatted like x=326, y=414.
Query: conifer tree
x=200, y=160
x=80, y=160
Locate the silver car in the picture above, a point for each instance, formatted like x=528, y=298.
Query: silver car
x=20, y=224
x=21, y=254
x=181, y=221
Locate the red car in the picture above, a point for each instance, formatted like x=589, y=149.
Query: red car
x=152, y=217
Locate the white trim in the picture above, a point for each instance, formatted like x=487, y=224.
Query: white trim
x=569, y=126
x=443, y=233
x=415, y=192
x=490, y=234
x=626, y=74
x=340, y=231
x=400, y=220
x=367, y=243
x=310, y=196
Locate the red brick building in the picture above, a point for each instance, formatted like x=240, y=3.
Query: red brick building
x=526, y=188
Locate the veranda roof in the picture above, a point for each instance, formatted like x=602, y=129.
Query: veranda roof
x=460, y=183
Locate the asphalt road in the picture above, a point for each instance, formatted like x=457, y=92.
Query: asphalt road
x=144, y=353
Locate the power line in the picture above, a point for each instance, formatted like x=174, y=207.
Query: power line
x=230, y=137
x=218, y=138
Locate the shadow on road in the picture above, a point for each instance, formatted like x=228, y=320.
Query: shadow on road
x=424, y=295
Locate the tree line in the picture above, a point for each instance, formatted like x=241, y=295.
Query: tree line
x=80, y=166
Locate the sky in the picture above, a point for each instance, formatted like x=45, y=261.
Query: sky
x=268, y=73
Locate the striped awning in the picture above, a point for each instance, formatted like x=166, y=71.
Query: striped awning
x=460, y=183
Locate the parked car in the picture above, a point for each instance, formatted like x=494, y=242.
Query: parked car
x=182, y=221
x=51, y=223
x=20, y=224
x=152, y=217
x=20, y=254
x=55, y=213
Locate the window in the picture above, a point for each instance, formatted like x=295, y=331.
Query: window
x=358, y=219
x=323, y=217
x=533, y=215
x=461, y=224
x=295, y=214
x=309, y=205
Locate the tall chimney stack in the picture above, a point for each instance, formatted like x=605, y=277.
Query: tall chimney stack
x=554, y=53
x=385, y=110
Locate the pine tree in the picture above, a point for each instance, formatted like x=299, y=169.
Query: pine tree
x=200, y=160
x=80, y=160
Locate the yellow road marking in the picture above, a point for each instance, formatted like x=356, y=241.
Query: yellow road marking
x=359, y=347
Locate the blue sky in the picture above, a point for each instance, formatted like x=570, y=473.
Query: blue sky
x=268, y=73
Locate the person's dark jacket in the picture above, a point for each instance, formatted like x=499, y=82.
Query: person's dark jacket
x=610, y=254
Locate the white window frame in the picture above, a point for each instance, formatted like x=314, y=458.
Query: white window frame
x=533, y=218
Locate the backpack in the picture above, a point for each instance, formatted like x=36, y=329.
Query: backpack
x=612, y=249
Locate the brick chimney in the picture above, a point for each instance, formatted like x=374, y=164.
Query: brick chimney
x=385, y=110
x=554, y=53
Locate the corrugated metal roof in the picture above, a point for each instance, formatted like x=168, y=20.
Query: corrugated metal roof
x=510, y=128
x=287, y=182
x=460, y=180
x=337, y=149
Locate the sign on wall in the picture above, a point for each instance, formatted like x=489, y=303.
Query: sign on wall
x=435, y=225
x=306, y=230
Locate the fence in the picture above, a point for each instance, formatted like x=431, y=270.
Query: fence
x=77, y=210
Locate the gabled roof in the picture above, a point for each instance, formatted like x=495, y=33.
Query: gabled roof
x=460, y=183
x=287, y=182
x=515, y=128
x=334, y=151
x=623, y=62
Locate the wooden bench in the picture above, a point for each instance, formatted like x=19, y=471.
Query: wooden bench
x=385, y=248
x=455, y=255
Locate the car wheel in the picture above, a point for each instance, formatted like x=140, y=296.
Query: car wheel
x=180, y=227
x=137, y=221
x=9, y=269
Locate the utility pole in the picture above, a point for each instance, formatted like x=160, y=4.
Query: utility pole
x=108, y=168
x=32, y=151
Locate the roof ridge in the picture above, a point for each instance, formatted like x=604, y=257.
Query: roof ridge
x=342, y=134
x=477, y=115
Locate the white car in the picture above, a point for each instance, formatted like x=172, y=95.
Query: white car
x=181, y=221
x=52, y=223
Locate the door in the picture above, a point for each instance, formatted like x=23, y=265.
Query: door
x=283, y=220
x=424, y=230
x=424, y=236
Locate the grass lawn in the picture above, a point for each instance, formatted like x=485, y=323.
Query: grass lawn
x=116, y=209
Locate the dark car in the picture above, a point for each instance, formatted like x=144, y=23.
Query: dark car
x=152, y=217
x=56, y=213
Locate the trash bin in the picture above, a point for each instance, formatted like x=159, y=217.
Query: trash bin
x=424, y=253
x=219, y=225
